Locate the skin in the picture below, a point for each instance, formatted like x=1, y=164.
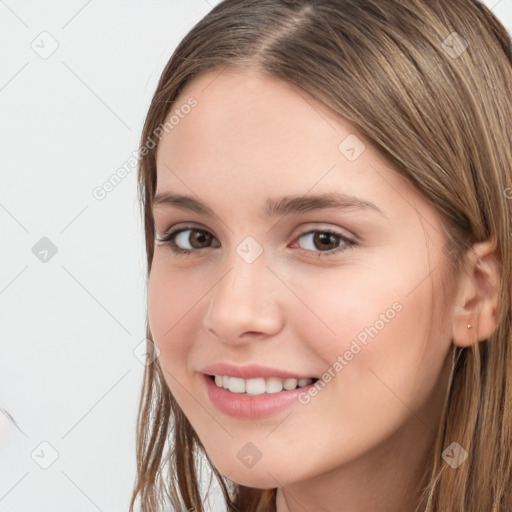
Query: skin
x=361, y=443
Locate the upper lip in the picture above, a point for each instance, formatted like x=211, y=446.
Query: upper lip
x=250, y=371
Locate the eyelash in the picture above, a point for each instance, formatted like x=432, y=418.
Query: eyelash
x=348, y=244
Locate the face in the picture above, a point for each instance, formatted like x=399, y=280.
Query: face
x=341, y=292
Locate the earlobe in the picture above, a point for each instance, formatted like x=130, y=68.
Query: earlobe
x=475, y=311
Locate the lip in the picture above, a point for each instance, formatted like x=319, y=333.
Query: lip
x=251, y=371
x=250, y=407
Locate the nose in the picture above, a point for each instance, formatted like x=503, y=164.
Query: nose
x=245, y=303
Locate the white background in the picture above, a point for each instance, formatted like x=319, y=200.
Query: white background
x=69, y=326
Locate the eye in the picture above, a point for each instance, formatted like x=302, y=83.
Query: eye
x=192, y=236
x=329, y=242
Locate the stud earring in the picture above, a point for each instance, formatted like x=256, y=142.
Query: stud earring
x=469, y=326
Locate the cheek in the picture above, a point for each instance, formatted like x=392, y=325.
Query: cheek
x=381, y=363
x=377, y=322
x=343, y=304
x=172, y=301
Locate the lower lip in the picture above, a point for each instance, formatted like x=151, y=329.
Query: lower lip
x=247, y=406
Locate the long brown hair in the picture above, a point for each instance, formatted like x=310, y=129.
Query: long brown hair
x=429, y=82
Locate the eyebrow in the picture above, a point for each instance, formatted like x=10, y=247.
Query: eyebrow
x=275, y=206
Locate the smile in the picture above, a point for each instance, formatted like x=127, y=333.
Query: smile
x=259, y=403
x=259, y=386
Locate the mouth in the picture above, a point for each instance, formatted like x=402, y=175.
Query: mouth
x=259, y=386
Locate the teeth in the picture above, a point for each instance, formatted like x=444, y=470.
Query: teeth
x=259, y=386
x=252, y=386
x=273, y=385
x=290, y=384
x=236, y=385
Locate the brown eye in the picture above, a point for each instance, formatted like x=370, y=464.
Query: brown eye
x=187, y=240
x=325, y=241
x=198, y=238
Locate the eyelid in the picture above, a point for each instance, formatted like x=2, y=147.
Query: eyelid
x=319, y=226
x=179, y=227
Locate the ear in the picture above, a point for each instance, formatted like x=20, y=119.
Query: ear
x=476, y=302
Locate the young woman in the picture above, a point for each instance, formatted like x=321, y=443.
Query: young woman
x=327, y=190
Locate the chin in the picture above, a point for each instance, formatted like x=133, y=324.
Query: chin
x=257, y=480
x=265, y=474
